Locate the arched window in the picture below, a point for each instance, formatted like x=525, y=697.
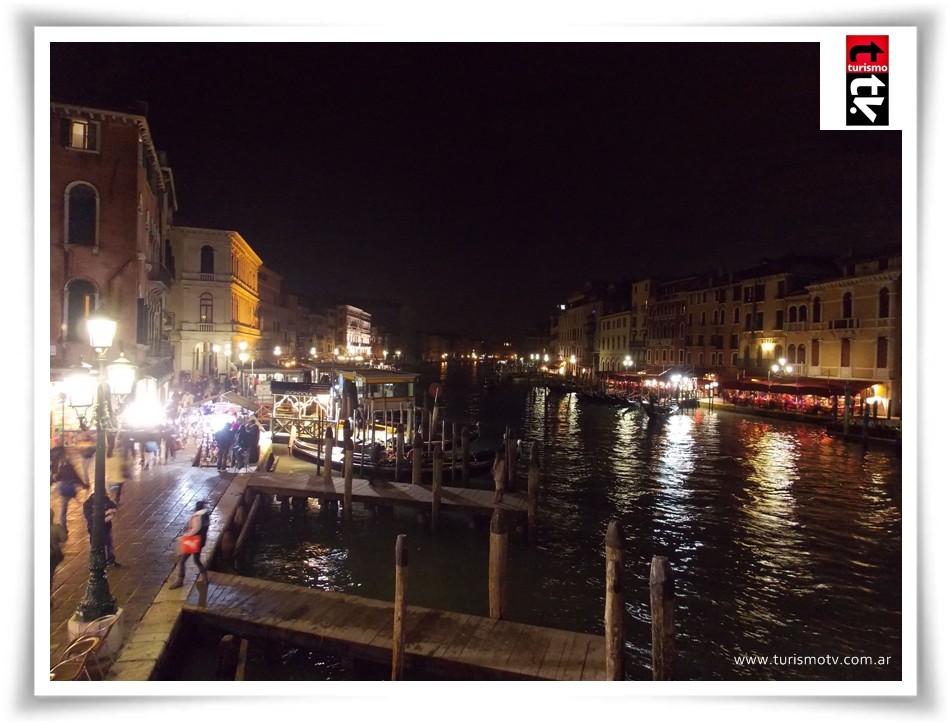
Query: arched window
x=801, y=353
x=207, y=259
x=735, y=316
x=758, y=356
x=816, y=310
x=745, y=356
x=846, y=305
x=82, y=214
x=884, y=303
x=803, y=315
x=80, y=302
x=778, y=352
x=793, y=314
x=206, y=308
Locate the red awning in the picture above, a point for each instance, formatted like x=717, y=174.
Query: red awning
x=802, y=386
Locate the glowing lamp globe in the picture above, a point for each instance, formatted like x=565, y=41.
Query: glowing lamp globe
x=101, y=329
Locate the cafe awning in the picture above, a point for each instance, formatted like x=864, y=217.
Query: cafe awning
x=801, y=386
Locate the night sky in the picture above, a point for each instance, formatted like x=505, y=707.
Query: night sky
x=483, y=183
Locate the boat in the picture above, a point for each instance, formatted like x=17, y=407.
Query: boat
x=657, y=410
x=479, y=462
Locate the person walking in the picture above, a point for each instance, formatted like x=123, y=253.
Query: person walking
x=150, y=451
x=170, y=436
x=57, y=537
x=499, y=472
x=110, y=508
x=68, y=484
x=198, y=526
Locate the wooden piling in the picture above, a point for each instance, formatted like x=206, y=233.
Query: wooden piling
x=284, y=504
x=464, y=455
x=534, y=485
x=455, y=438
x=497, y=561
x=437, y=456
x=417, y=461
x=248, y=525
x=348, y=479
x=399, y=607
x=328, y=455
x=613, y=610
x=400, y=448
x=511, y=449
x=228, y=653
x=662, y=596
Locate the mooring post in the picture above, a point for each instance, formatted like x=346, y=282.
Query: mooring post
x=228, y=653
x=662, y=596
x=328, y=455
x=348, y=479
x=321, y=460
x=437, y=456
x=417, y=460
x=399, y=606
x=400, y=447
x=464, y=455
x=866, y=423
x=613, y=610
x=534, y=484
x=497, y=560
x=455, y=438
x=511, y=449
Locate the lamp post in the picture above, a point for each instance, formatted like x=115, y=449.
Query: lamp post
x=98, y=600
x=243, y=356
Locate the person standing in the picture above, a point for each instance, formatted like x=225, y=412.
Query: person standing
x=110, y=508
x=198, y=526
x=225, y=439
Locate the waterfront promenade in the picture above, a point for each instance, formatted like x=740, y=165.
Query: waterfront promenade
x=154, y=509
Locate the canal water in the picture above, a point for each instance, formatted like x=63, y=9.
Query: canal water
x=785, y=543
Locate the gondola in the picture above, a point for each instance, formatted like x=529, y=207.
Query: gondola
x=479, y=462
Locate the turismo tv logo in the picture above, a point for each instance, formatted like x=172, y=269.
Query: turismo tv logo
x=867, y=67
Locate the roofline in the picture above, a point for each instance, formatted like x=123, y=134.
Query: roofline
x=137, y=119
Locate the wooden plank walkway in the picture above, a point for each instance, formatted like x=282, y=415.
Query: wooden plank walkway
x=387, y=493
x=436, y=641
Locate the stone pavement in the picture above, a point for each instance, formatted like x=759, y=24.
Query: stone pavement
x=154, y=509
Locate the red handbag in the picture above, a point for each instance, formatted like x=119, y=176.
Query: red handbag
x=190, y=544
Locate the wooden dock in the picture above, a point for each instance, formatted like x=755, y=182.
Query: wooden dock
x=436, y=642
x=387, y=493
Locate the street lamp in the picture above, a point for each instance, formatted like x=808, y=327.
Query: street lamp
x=98, y=600
x=781, y=368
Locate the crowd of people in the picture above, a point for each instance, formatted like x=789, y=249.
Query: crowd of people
x=228, y=434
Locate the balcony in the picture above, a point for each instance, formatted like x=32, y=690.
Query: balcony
x=881, y=323
x=844, y=323
x=158, y=273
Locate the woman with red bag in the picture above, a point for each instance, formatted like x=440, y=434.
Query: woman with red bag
x=192, y=542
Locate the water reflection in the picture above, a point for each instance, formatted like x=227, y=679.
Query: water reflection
x=782, y=540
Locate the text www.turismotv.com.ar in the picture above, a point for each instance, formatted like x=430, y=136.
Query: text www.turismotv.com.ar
x=812, y=660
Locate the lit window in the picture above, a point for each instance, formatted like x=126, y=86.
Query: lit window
x=79, y=134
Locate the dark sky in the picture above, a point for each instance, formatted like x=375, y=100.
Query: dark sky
x=482, y=183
